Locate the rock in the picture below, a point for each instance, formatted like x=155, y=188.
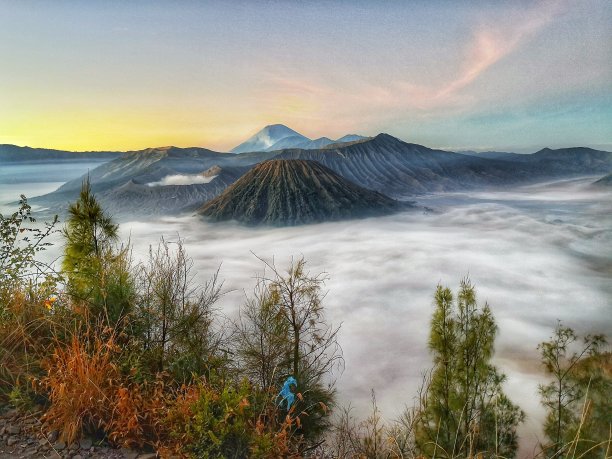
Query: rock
x=53, y=436
x=29, y=453
x=86, y=443
x=147, y=456
x=128, y=453
x=13, y=430
x=77, y=456
x=12, y=441
x=59, y=446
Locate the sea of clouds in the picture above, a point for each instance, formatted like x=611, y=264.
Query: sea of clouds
x=536, y=254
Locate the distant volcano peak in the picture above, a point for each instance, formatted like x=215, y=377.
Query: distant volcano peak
x=267, y=137
x=281, y=137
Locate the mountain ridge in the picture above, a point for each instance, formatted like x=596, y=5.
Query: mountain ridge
x=382, y=163
x=15, y=153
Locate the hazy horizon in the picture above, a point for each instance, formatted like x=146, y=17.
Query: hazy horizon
x=524, y=150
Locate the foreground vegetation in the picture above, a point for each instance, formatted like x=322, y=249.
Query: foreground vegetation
x=137, y=355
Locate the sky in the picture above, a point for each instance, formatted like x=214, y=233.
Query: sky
x=482, y=75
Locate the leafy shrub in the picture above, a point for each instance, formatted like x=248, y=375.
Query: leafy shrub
x=284, y=332
x=233, y=420
x=20, y=243
x=29, y=301
x=174, y=320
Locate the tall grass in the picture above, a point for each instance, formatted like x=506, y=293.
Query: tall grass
x=81, y=382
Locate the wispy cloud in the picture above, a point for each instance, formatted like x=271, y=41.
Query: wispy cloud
x=352, y=100
x=491, y=42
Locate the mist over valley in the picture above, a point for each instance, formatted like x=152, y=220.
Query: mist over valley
x=537, y=253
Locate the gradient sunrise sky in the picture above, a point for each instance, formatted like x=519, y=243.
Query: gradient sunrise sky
x=115, y=75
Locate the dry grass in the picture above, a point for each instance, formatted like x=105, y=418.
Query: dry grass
x=81, y=381
x=27, y=327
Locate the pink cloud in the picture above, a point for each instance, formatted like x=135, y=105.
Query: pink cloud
x=339, y=102
x=492, y=42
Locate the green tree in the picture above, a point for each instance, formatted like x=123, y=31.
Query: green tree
x=284, y=333
x=464, y=411
x=262, y=333
x=174, y=315
x=98, y=272
x=577, y=399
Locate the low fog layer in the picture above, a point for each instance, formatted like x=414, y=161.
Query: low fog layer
x=179, y=179
x=536, y=255
x=38, y=178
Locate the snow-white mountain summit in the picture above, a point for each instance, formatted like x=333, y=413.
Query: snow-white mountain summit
x=279, y=136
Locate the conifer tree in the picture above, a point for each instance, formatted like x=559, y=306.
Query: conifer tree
x=465, y=411
x=579, y=414
x=98, y=273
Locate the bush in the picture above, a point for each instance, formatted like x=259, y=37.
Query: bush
x=29, y=302
x=233, y=420
x=284, y=332
x=577, y=400
x=174, y=320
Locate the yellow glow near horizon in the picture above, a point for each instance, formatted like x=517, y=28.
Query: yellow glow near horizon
x=78, y=130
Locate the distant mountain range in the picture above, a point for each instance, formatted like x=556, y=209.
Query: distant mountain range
x=13, y=153
x=171, y=180
x=280, y=137
x=294, y=192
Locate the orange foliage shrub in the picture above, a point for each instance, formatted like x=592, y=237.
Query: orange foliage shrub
x=89, y=394
x=124, y=426
x=144, y=414
x=82, y=380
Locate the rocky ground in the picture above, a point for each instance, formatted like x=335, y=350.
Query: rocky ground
x=22, y=436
